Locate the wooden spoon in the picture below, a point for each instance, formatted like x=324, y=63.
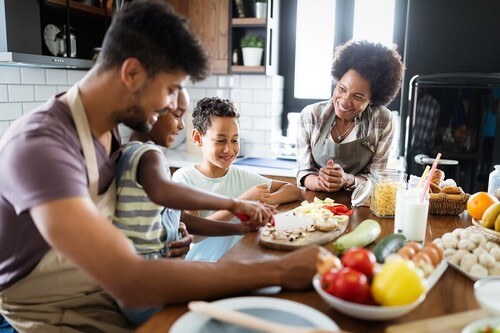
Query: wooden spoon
x=248, y=321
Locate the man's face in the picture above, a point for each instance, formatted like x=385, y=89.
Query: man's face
x=166, y=129
x=221, y=144
x=155, y=97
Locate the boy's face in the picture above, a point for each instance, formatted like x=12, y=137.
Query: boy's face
x=166, y=129
x=221, y=144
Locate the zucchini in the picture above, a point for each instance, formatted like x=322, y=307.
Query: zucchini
x=365, y=233
x=388, y=244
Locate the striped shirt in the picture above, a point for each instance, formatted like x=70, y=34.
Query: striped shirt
x=376, y=123
x=136, y=215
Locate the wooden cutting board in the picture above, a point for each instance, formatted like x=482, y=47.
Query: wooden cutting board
x=315, y=237
x=442, y=324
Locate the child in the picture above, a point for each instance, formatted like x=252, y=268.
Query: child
x=216, y=132
x=144, y=188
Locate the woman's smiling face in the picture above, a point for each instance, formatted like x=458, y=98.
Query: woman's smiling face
x=351, y=95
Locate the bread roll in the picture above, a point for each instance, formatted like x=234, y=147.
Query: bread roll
x=452, y=190
x=435, y=188
x=437, y=177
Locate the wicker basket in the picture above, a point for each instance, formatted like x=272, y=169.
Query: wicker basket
x=447, y=204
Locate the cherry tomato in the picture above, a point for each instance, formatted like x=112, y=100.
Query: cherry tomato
x=351, y=286
x=360, y=259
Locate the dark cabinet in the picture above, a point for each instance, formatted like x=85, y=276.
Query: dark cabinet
x=52, y=33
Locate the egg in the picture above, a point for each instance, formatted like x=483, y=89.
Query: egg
x=406, y=252
x=415, y=246
x=433, y=254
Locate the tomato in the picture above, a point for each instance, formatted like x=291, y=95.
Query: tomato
x=328, y=280
x=360, y=259
x=339, y=209
x=478, y=202
x=351, y=286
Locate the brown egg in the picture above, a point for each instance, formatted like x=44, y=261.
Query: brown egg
x=433, y=255
x=438, y=248
x=422, y=257
x=415, y=246
x=406, y=252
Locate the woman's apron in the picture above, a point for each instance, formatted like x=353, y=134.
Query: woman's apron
x=352, y=156
x=57, y=296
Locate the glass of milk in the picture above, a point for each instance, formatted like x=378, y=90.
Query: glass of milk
x=415, y=215
x=487, y=292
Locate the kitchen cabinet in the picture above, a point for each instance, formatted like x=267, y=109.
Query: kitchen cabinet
x=34, y=32
x=220, y=29
x=208, y=19
x=266, y=27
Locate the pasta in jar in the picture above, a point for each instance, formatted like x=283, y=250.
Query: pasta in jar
x=383, y=197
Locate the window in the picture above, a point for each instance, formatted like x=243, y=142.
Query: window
x=315, y=27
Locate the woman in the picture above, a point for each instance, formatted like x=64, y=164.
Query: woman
x=341, y=140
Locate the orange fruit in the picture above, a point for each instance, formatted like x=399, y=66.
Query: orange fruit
x=478, y=202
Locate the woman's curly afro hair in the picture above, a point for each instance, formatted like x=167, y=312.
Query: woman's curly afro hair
x=375, y=62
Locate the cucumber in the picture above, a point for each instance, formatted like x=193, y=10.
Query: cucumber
x=365, y=233
x=388, y=244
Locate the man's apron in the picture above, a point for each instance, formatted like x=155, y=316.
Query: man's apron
x=352, y=156
x=57, y=296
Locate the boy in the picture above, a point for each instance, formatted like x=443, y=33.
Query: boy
x=147, y=198
x=216, y=132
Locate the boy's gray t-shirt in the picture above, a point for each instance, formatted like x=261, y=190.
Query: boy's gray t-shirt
x=41, y=161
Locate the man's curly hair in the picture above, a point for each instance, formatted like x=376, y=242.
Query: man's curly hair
x=210, y=107
x=380, y=65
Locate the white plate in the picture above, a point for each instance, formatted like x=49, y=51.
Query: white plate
x=49, y=35
x=481, y=324
x=274, y=309
x=375, y=312
x=464, y=272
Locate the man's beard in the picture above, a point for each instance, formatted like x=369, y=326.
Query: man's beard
x=134, y=117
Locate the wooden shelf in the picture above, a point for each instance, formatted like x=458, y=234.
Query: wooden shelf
x=249, y=22
x=80, y=6
x=248, y=69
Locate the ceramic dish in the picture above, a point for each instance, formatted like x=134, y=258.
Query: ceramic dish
x=278, y=310
x=479, y=326
x=487, y=293
x=464, y=272
x=374, y=312
x=486, y=231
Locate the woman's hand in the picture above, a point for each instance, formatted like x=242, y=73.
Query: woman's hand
x=260, y=193
x=258, y=214
x=180, y=247
x=331, y=177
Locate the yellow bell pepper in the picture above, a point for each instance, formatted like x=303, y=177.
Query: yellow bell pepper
x=399, y=282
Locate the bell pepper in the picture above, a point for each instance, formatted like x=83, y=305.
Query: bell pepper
x=339, y=209
x=399, y=282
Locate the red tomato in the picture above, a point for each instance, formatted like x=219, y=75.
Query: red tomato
x=352, y=286
x=328, y=280
x=360, y=259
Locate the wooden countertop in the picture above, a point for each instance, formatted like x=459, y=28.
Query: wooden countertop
x=453, y=293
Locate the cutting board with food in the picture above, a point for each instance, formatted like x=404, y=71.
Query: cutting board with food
x=318, y=222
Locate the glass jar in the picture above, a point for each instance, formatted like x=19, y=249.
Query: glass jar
x=386, y=184
x=494, y=182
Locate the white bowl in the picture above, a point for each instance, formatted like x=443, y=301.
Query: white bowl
x=487, y=292
x=481, y=324
x=368, y=312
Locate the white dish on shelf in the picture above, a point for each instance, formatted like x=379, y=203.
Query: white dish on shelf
x=477, y=325
x=376, y=312
x=274, y=309
x=49, y=35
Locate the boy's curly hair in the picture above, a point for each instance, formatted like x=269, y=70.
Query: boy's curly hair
x=210, y=107
x=377, y=63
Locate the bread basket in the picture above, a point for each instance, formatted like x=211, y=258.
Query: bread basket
x=447, y=204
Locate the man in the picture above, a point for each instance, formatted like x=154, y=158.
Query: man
x=62, y=262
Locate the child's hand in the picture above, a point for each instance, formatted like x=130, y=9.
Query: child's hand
x=259, y=193
x=258, y=214
x=180, y=247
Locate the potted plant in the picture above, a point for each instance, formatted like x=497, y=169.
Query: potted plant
x=252, y=47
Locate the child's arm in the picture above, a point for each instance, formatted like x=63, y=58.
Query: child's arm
x=155, y=179
x=282, y=192
x=206, y=227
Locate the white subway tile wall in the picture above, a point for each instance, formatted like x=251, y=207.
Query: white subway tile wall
x=259, y=100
